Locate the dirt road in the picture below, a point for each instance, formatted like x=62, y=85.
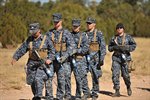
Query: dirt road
x=140, y=88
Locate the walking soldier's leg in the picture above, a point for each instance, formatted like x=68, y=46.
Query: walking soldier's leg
x=115, y=77
x=126, y=77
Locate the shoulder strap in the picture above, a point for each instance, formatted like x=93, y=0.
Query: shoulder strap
x=116, y=40
x=43, y=42
x=80, y=40
x=86, y=35
x=30, y=45
x=95, y=35
x=53, y=37
x=60, y=37
x=123, y=39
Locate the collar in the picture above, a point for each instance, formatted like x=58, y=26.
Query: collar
x=39, y=38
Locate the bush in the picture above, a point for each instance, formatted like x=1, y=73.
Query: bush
x=12, y=30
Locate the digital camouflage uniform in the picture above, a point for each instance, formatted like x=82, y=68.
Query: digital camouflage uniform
x=96, y=56
x=36, y=76
x=62, y=69
x=118, y=62
x=79, y=65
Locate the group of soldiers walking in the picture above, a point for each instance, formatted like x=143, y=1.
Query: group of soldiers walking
x=62, y=52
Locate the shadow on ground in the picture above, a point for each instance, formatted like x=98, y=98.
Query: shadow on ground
x=108, y=93
x=145, y=89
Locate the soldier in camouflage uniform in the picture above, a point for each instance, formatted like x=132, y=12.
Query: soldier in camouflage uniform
x=97, y=52
x=64, y=45
x=121, y=44
x=78, y=60
x=36, y=74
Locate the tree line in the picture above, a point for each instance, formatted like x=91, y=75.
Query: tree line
x=16, y=15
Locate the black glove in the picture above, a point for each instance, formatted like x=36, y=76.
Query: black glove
x=124, y=48
x=101, y=63
x=116, y=48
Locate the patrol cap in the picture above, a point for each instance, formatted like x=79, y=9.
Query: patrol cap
x=57, y=17
x=34, y=27
x=90, y=20
x=76, y=22
x=119, y=25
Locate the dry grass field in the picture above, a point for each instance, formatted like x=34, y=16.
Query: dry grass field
x=13, y=87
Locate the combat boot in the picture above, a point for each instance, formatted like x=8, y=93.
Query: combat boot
x=129, y=91
x=94, y=98
x=77, y=98
x=36, y=98
x=67, y=98
x=116, y=94
x=84, y=97
x=48, y=98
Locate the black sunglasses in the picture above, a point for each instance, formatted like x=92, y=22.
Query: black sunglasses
x=32, y=27
x=89, y=23
x=119, y=27
x=56, y=21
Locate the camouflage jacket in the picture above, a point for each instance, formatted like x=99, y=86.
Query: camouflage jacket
x=66, y=38
x=118, y=40
x=102, y=46
x=35, y=45
x=83, y=45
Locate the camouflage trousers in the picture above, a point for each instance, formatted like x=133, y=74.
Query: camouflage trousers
x=95, y=74
x=116, y=67
x=63, y=77
x=80, y=72
x=37, y=78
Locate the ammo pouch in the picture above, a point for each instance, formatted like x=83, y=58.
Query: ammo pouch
x=31, y=55
x=94, y=46
x=42, y=53
x=59, y=48
x=79, y=57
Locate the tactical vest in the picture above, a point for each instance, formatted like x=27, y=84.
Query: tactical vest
x=80, y=40
x=60, y=46
x=94, y=46
x=123, y=40
x=41, y=51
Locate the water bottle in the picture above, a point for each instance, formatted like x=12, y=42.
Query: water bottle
x=88, y=57
x=49, y=73
x=74, y=62
x=124, y=59
x=58, y=58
